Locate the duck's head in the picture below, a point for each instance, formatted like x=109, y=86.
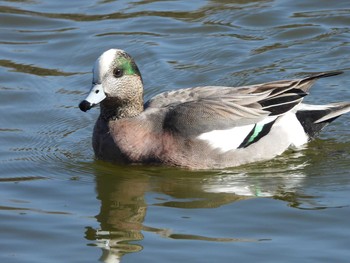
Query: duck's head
x=116, y=81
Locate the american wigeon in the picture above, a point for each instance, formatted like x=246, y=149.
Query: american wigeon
x=202, y=127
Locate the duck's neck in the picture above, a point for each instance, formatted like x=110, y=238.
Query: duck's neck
x=112, y=109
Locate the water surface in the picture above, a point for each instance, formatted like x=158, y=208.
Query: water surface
x=58, y=204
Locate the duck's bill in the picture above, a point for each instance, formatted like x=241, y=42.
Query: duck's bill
x=95, y=96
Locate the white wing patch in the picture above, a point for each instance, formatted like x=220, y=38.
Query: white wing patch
x=226, y=140
x=230, y=139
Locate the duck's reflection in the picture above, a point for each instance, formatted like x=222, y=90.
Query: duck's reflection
x=122, y=213
x=122, y=193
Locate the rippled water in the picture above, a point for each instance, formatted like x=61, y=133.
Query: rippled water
x=60, y=205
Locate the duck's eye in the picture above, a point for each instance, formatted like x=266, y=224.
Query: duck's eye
x=117, y=72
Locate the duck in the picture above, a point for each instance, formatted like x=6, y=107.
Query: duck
x=207, y=127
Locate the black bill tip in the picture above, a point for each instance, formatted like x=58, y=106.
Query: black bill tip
x=85, y=105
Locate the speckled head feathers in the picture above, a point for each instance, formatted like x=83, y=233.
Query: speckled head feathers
x=115, y=77
x=111, y=59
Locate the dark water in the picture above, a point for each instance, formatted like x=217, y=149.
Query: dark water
x=57, y=204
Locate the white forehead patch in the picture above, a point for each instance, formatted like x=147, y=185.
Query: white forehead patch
x=103, y=63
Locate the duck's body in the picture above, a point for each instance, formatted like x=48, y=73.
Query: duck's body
x=202, y=127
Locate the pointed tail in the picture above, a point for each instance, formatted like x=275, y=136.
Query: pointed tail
x=306, y=83
x=314, y=118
